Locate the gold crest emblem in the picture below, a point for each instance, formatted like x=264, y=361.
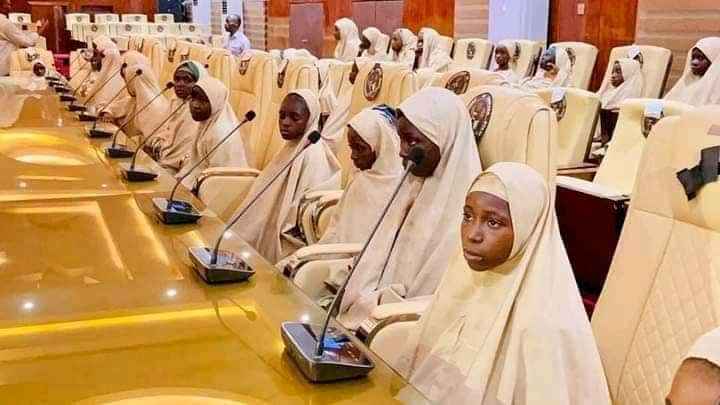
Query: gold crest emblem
x=137, y=18
x=164, y=18
x=373, y=83
x=191, y=28
x=160, y=28
x=243, y=66
x=480, y=109
x=459, y=82
x=470, y=51
x=281, y=76
x=94, y=28
x=78, y=19
x=21, y=18
x=559, y=107
x=171, y=55
x=128, y=28
x=649, y=122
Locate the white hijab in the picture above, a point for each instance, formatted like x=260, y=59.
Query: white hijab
x=348, y=46
x=378, y=44
x=433, y=56
x=406, y=55
x=514, y=51
x=142, y=89
x=611, y=97
x=108, y=82
x=562, y=79
x=707, y=347
x=514, y=334
x=369, y=190
x=414, y=243
x=276, y=212
x=328, y=100
x=213, y=130
x=694, y=90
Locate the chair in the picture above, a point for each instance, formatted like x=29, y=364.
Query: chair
x=131, y=28
x=22, y=60
x=163, y=29
x=20, y=18
x=221, y=64
x=662, y=290
x=656, y=62
x=190, y=29
x=600, y=205
x=339, y=74
x=154, y=50
x=134, y=18
x=123, y=42
x=200, y=53
x=585, y=56
x=577, y=114
x=136, y=43
x=217, y=41
x=475, y=52
x=92, y=30
x=164, y=18
x=460, y=79
x=223, y=189
x=176, y=53
x=75, y=18
x=106, y=18
x=446, y=44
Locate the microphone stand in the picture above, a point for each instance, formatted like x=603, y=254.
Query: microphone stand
x=71, y=98
x=84, y=117
x=96, y=133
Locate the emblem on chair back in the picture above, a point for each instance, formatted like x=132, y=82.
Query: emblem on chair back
x=480, y=109
x=20, y=18
x=171, y=55
x=649, y=122
x=373, y=83
x=93, y=28
x=243, y=66
x=559, y=106
x=78, y=19
x=31, y=56
x=163, y=18
x=459, y=82
x=571, y=55
x=137, y=18
x=281, y=75
x=470, y=51
x=191, y=28
x=160, y=28
x=128, y=28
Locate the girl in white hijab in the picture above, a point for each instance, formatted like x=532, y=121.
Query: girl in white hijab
x=433, y=57
x=402, y=47
x=507, y=53
x=213, y=129
x=348, y=46
x=697, y=380
x=556, y=69
x=414, y=243
x=374, y=44
x=269, y=224
x=507, y=325
x=626, y=82
x=698, y=84
x=108, y=82
x=337, y=121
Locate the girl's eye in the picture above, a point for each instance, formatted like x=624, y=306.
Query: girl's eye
x=494, y=223
x=467, y=217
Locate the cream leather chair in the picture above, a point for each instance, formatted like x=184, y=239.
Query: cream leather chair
x=662, y=290
x=163, y=29
x=154, y=50
x=200, y=53
x=92, y=30
x=577, y=114
x=190, y=29
x=164, y=18
x=585, y=56
x=460, y=79
x=475, y=52
x=22, y=60
x=527, y=62
x=20, y=18
x=221, y=65
x=655, y=61
x=446, y=44
x=106, y=18
x=75, y=18
x=131, y=28
x=217, y=41
x=123, y=42
x=134, y=18
x=176, y=53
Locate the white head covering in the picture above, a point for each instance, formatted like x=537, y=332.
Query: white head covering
x=562, y=79
x=514, y=334
x=694, y=90
x=707, y=347
x=276, y=212
x=433, y=56
x=369, y=190
x=108, y=82
x=213, y=130
x=407, y=53
x=378, y=44
x=611, y=97
x=410, y=251
x=328, y=100
x=142, y=89
x=348, y=46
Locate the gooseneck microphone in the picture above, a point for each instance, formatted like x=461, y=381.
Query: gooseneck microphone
x=94, y=133
x=205, y=261
x=72, y=98
x=307, y=350
x=84, y=106
x=113, y=151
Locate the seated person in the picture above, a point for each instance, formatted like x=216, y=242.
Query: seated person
x=697, y=381
x=625, y=82
x=696, y=85
x=173, y=142
x=507, y=325
x=411, y=249
x=210, y=106
x=555, y=71
x=236, y=42
x=429, y=54
x=402, y=47
x=506, y=56
x=334, y=126
x=269, y=224
x=108, y=83
x=348, y=40
x=373, y=44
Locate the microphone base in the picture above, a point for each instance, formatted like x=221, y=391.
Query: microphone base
x=61, y=89
x=137, y=174
x=66, y=98
x=175, y=212
x=341, y=359
x=97, y=133
x=118, y=152
x=82, y=117
x=76, y=108
x=230, y=267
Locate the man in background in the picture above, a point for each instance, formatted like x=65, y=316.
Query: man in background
x=237, y=42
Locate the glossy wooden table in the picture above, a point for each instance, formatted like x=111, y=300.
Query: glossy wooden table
x=99, y=304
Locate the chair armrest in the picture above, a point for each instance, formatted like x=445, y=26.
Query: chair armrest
x=332, y=251
x=321, y=194
x=388, y=314
x=223, y=189
x=590, y=188
x=583, y=170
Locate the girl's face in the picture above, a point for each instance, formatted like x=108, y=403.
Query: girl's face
x=486, y=230
x=184, y=82
x=411, y=137
x=502, y=57
x=293, y=117
x=200, y=107
x=699, y=64
x=616, y=79
x=362, y=155
x=396, y=42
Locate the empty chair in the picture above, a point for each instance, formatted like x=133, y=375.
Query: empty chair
x=577, y=115
x=75, y=18
x=131, y=28
x=163, y=29
x=474, y=52
x=134, y=18
x=106, y=18
x=661, y=292
x=190, y=29
x=583, y=57
x=164, y=18
x=200, y=53
x=20, y=18
x=92, y=30
x=655, y=62
x=221, y=64
x=460, y=79
x=154, y=50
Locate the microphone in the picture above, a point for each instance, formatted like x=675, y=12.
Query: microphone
x=232, y=268
x=85, y=117
x=129, y=172
x=115, y=151
x=171, y=211
x=96, y=133
x=308, y=349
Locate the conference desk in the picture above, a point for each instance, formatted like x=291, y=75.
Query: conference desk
x=99, y=303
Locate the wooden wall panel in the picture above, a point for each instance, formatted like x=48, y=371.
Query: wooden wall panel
x=472, y=18
x=438, y=14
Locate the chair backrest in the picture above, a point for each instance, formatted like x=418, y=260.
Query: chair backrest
x=252, y=75
x=176, y=53
x=511, y=125
x=577, y=113
x=663, y=290
x=221, y=64
x=123, y=42
x=154, y=50
x=529, y=57
x=21, y=60
x=446, y=44
x=131, y=28
x=655, y=62
x=217, y=41
x=164, y=18
x=134, y=18
x=475, y=52
x=460, y=79
x=20, y=18
x=163, y=29
x=619, y=167
x=75, y=18
x=200, y=53
x=92, y=30
x=106, y=18
x=190, y=28
x=584, y=56
x=338, y=75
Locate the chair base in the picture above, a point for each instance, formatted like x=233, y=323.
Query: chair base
x=230, y=268
x=175, y=212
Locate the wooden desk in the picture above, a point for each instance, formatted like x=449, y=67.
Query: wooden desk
x=98, y=302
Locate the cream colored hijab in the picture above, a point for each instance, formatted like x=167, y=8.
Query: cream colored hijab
x=349, y=45
x=378, y=44
x=515, y=334
x=213, y=130
x=410, y=252
x=694, y=90
x=111, y=64
x=433, y=57
x=406, y=55
x=562, y=79
x=611, y=97
x=707, y=347
x=142, y=89
x=276, y=211
x=369, y=190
